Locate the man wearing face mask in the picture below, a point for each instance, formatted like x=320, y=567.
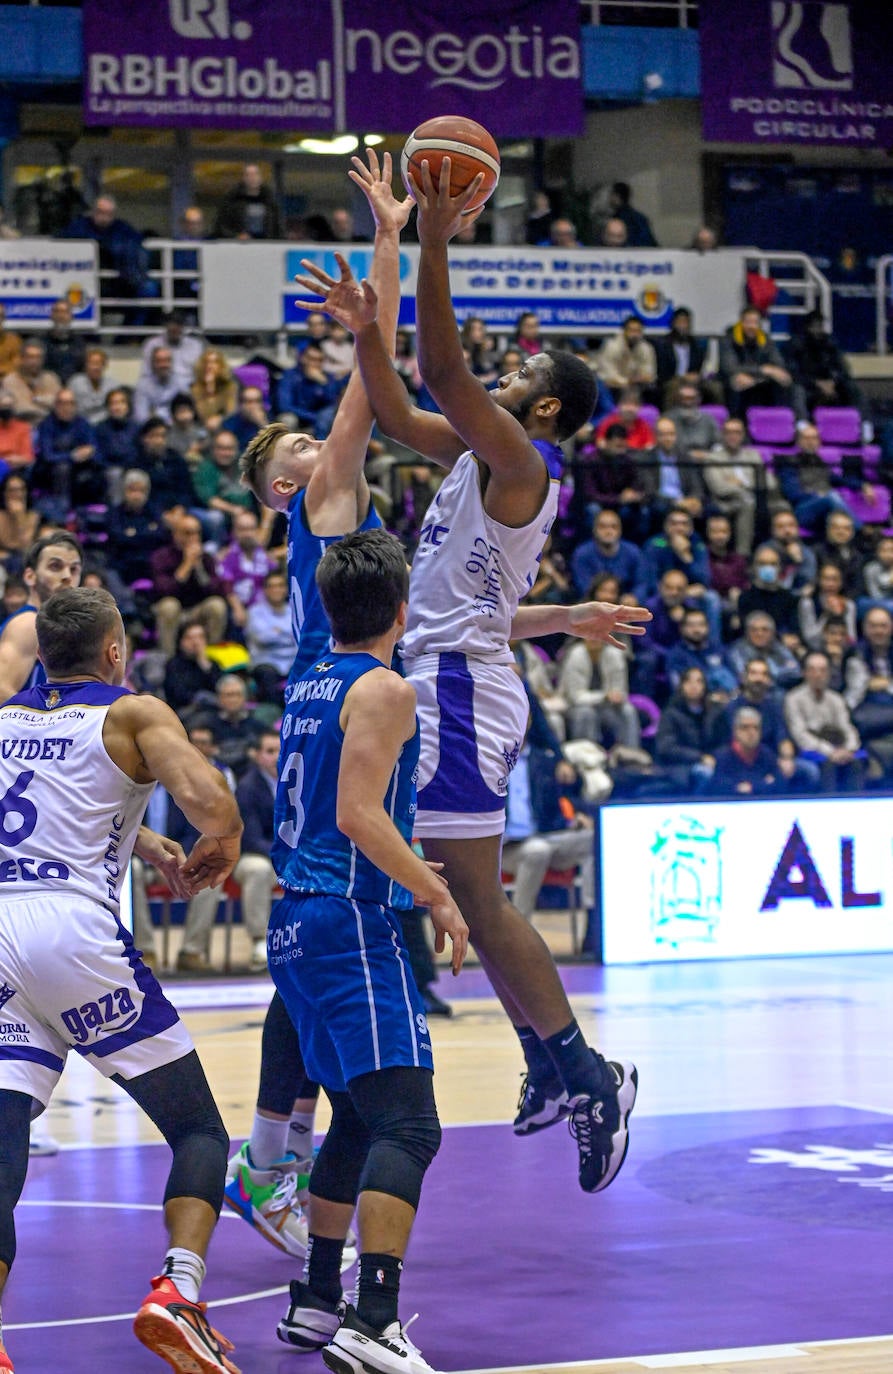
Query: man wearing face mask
x=766, y=593
x=16, y=442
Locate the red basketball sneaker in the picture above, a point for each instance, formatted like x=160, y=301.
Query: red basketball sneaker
x=180, y=1332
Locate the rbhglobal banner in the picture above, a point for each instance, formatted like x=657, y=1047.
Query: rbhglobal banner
x=748, y=878
x=324, y=65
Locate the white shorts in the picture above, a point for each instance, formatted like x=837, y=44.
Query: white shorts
x=473, y=718
x=71, y=979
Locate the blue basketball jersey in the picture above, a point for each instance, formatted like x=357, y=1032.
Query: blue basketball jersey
x=308, y=619
x=310, y=853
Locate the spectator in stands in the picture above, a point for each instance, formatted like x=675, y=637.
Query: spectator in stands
x=686, y=734
x=798, y=562
x=694, y=649
x=705, y=240
x=527, y=337
x=67, y=472
x=185, y=586
x=337, y=352
x=121, y=251
x=250, y=417
x=872, y=706
x=594, y=682
x=808, y=483
x=761, y=640
x=156, y=388
x=538, y=219
x=669, y=482
x=308, y=398
x=117, y=437
x=235, y=728
x=677, y=546
x=190, y=676
x=748, y=766
x=16, y=441
x=18, y=523
x=639, y=434
x=316, y=331
x=250, y=210
x=826, y=602
x=191, y=230
x=186, y=436
x=839, y=548
x=696, y=430
x=194, y=954
x=819, y=367
x=213, y=389
x=244, y=564
x=757, y=690
x=877, y=575
x=562, y=234
x=31, y=384
x=219, y=487
x=639, y=233
x=185, y=348
x=10, y=346
x=614, y=234
x=606, y=551
x=820, y=726
x=92, y=386
x=15, y=596
x=627, y=358
x=65, y=348
x=135, y=528
x=728, y=570
x=171, y=481
x=667, y=608
x=343, y=228
x=606, y=477
x=269, y=637
x=751, y=368
x=679, y=356
x=766, y=593
x=481, y=348
x=731, y=472
x=848, y=672
x=254, y=871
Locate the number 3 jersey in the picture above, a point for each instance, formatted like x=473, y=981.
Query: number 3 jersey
x=310, y=853
x=68, y=815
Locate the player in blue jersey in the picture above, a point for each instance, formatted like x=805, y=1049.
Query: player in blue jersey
x=53, y=561
x=80, y=757
x=345, y=807
x=321, y=487
x=477, y=557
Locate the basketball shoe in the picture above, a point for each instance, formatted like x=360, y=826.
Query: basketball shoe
x=540, y=1105
x=270, y=1201
x=600, y=1126
x=357, y=1348
x=179, y=1332
x=310, y=1322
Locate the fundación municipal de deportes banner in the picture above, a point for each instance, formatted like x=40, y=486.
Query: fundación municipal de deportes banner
x=330, y=65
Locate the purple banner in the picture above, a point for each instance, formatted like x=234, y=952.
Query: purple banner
x=773, y=71
x=334, y=65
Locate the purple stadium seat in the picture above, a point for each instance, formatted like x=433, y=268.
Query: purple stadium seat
x=838, y=424
x=832, y=455
x=773, y=425
x=649, y=414
x=875, y=512
x=719, y=413
x=650, y=711
x=254, y=374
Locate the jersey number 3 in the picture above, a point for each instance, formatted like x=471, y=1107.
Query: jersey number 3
x=293, y=781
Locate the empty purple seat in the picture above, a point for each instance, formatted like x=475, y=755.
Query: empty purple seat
x=650, y=414
x=838, y=424
x=720, y=413
x=773, y=425
x=254, y=374
x=874, y=512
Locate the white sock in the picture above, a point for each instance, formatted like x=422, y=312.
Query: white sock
x=300, y=1134
x=186, y=1270
x=268, y=1141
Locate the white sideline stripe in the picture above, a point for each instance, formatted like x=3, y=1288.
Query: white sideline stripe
x=740, y=1355
x=861, y=1107
x=129, y=1316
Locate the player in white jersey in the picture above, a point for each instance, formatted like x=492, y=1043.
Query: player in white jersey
x=478, y=555
x=79, y=756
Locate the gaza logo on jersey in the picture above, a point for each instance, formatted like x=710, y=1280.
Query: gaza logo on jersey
x=112, y=1012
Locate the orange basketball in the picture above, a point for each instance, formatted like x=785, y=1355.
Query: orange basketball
x=468, y=146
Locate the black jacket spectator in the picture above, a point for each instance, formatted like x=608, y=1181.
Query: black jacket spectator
x=133, y=536
x=735, y=773
x=782, y=605
x=684, y=735
x=255, y=799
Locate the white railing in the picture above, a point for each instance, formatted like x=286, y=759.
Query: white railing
x=883, y=297
x=798, y=279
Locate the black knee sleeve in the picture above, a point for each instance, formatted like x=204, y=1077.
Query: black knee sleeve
x=399, y=1110
x=342, y=1156
x=282, y=1073
x=15, y=1120
x=178, y=1100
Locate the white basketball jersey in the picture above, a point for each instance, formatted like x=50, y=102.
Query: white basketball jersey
x=469, y=572
x=68, y=815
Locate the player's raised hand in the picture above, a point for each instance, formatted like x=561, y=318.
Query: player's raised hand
x=440, y=214
x=352, y=303
x=211, y=860
x=375, y=183
x=602, y=621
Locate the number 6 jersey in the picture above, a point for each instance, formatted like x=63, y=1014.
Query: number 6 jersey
x=68, y=815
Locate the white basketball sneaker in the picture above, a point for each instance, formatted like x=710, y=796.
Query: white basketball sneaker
x=357, y=1348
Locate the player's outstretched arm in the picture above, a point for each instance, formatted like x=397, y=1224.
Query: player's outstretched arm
x=18, y=651
x=378, y=718
x=147, y=741
x=599, y=621
x=496, y=436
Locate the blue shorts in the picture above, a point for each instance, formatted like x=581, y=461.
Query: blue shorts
x=343, y=972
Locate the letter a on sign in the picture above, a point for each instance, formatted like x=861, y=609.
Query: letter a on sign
x=795, y=875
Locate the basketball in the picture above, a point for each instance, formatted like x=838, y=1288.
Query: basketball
x=468, y=146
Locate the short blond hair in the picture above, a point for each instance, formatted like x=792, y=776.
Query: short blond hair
x=254, y=460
